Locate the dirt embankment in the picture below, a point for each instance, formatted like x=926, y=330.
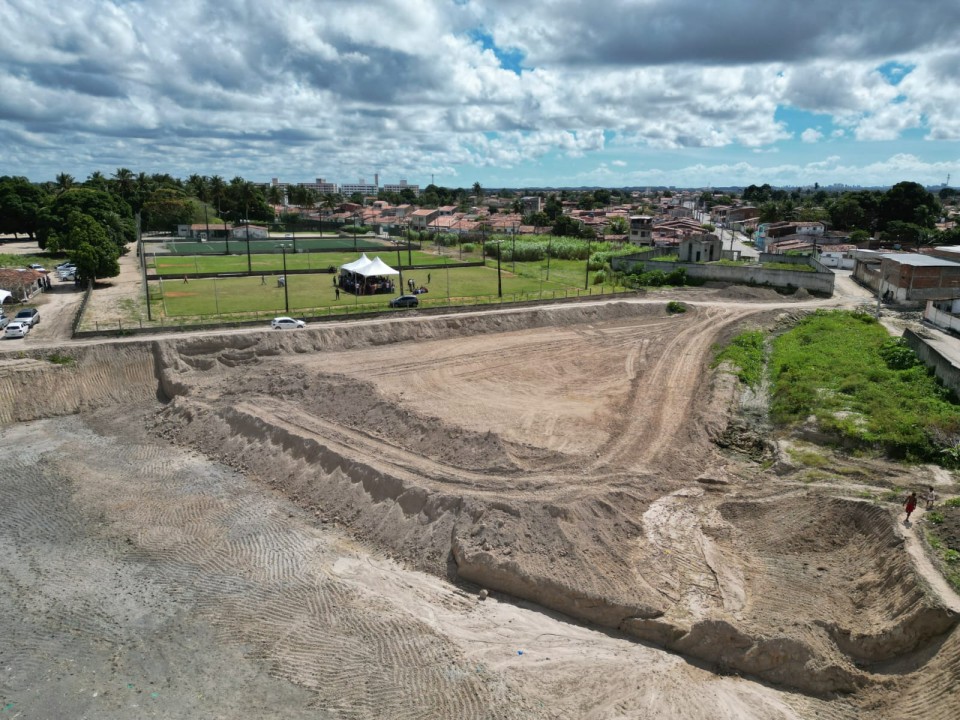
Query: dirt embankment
x=564, y=456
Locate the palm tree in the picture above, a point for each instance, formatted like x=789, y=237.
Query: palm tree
x=197, y=185
x=218, y=191
x=97, y=180
x=331, y=201
x=123, y=181
x=478, y=191
x=64, y=182
x=275, y=195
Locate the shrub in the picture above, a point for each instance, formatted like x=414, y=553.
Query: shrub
x=746, y=352
x=935, y=518
x=674, y=307
x=951, y=556
x=60, y=359
x=953, y=502
x=898, y=355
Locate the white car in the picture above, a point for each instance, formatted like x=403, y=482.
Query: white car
x=287, y=323
x=16, y=329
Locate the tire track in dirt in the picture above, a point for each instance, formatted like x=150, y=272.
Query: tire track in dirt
x=263, y=584
x=658, y=401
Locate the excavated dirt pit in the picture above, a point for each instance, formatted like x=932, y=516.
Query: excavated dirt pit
x=283, y=497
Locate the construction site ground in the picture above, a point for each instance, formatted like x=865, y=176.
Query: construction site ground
x=550, y=512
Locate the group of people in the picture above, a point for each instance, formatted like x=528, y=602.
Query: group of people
x=360, y=285
x=930, y=498
x=414, y=290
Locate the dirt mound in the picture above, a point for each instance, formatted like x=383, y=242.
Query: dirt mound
x=750, y=292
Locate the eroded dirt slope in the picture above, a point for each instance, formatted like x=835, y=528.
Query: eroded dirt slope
x=564, y=456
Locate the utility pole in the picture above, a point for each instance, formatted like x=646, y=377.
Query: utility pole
x=586, y=280
x=286, y=296
x=247, y=221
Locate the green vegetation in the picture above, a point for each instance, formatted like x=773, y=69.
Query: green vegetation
x=674, y=307
x=657, y=278
x=745, y=352
x=953, y=502
x=60, y=359
x=808, y=457
x=787, y=266
x=832, y=366
x=313, y=294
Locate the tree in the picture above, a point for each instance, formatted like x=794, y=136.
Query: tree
x=165, y=209
x=618, y=225
x=65, y=181
x=97, y=181
x=20, y=205
x=756, y=194
x=218, y=192
x=123, y=184
x=478, y=191
x=566, y=226
x=95, y=254
x=109, y=211
x=198, y=186
x=909, y=202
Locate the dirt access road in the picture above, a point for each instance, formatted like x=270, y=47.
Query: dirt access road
x=299, y=523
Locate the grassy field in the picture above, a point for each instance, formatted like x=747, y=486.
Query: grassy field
x=315, y=295
x=176, y=266
x=219, y=247
x=846, y=370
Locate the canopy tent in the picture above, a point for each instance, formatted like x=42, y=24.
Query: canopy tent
x=376, y=267
x=356, y=264
x=366, y=277
x=4, y=294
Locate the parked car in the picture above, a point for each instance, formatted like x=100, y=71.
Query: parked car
x=37, y=267
x=30, y=316
x=3, y=320
x=287, y=323
x=405, y=301
x=16, y=329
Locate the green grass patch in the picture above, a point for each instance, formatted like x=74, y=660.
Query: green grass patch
x=832, y=366
x=810, y=458
x=746, y=352
x=58, y=358
x=787, y=266
x=314, y=294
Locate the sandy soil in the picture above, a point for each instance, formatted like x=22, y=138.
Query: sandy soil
x=300, y=523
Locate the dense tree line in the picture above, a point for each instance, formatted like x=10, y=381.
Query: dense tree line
x=905, y=214
x=92, y=221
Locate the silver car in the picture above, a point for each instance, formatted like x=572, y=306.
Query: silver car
x=287, y=323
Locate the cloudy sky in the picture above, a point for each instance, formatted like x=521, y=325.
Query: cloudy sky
x=501, y=92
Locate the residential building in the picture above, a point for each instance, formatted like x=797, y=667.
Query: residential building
x=641, y=230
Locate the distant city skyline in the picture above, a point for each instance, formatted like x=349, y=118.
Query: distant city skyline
x=536, y=94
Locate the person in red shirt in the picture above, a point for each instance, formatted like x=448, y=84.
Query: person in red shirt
x=910, y=505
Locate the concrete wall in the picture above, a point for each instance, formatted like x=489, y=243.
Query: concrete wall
x=942, y=366
x=818, y=282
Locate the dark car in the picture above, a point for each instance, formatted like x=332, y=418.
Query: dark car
x=405, y=301
x=30, y=316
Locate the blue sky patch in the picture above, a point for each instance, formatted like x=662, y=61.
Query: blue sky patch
x=509, y=59
x=895, y=71
x=796, y=121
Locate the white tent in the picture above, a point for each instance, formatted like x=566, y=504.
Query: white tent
x=4, y=294
x=376, y=267
x=355, y=266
